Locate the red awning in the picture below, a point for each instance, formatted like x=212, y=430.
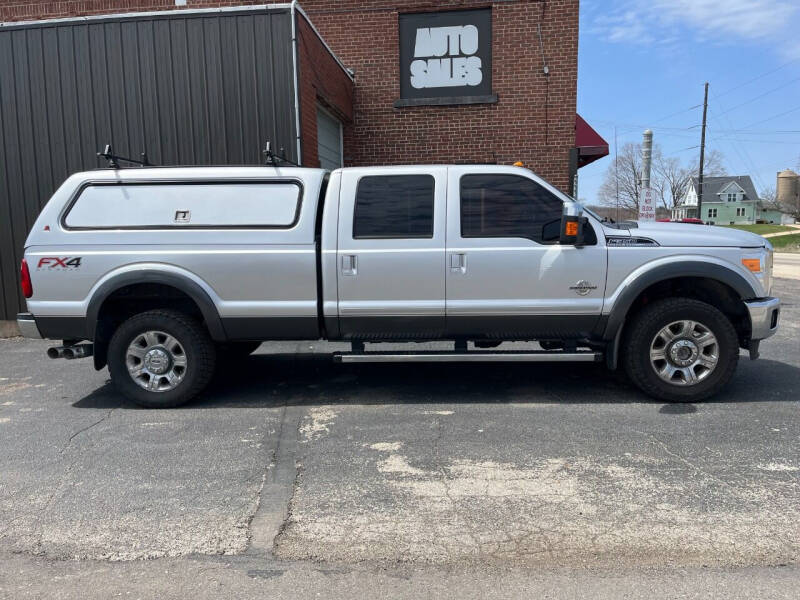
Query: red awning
x=589, y=143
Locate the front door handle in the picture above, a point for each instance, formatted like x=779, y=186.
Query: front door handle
x=349, y=264
x=458, y=262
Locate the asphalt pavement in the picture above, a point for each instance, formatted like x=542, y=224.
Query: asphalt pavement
x=294, y=476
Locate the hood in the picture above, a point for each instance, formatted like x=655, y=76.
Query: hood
x=689, y=234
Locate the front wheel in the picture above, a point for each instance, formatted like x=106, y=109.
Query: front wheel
x=161, y=358
x=680, y=350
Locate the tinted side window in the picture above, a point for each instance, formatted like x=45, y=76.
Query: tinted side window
x=394, y=206
x=508, y=206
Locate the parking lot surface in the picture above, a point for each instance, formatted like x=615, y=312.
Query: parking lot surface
x=293, y=473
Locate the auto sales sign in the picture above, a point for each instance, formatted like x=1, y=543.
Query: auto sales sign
x=446, y=55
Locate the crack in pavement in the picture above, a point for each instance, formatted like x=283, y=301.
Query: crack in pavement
x=88, y=427
x=64, y=476
x=273, y=507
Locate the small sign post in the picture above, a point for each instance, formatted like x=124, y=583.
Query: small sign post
x=647, y=205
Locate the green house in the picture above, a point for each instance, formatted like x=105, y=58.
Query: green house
x=727, y=200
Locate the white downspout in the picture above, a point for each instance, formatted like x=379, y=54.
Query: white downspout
x=296, y=81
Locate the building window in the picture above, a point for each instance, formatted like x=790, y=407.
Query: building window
x=732, y=197
x=509, y=206
x=740, y=212
x=712, y=212
x=394, y=206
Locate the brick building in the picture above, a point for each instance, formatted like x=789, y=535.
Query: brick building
x=349, y=82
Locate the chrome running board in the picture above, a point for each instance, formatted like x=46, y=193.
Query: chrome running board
x=498, y=356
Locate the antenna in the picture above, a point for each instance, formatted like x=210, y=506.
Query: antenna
x=113, y=159
x=270, y=158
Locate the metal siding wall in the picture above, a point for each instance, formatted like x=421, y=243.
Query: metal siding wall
x=188, y=89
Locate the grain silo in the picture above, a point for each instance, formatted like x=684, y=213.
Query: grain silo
x=788, y=189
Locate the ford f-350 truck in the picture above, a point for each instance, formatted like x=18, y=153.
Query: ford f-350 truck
x=158, y=272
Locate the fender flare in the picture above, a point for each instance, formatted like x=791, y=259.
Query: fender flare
x=184, y=284
x=680, y=269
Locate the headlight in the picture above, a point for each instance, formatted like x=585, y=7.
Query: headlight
x=768, y=272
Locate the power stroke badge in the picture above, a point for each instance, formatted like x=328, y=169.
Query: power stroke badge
x=582, y=287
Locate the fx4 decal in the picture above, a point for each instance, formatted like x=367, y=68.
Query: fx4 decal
x=63, y=262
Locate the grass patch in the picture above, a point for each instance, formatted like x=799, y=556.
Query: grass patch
x=761, y=229
x=786, y=243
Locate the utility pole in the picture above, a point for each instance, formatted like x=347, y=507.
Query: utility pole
x=616, y=169
x=702, y=157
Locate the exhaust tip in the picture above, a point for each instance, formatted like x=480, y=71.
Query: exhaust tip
x=53, y=352
x=69, y=353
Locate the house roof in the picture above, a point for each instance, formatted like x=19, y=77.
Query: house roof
x=714, y=185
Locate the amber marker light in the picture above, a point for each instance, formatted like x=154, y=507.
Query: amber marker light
x=518, y=164
x=571, y=228
x=752, y=264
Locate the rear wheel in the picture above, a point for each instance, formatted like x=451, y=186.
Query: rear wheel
x=680, y=350
x=161, y=358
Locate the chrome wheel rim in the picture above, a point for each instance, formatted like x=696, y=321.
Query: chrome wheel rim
x=156, y=361
x=684, y=353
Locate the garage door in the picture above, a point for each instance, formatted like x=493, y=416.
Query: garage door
x=329, y=140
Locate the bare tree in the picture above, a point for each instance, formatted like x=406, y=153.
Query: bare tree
x=675, y=177
x=625, y=172
x=669, y=179
x=769, y=199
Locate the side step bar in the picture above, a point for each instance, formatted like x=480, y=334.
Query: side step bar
x=498, y=356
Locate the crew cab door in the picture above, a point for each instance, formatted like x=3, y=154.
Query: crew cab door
x=390, y=253
x=507, y=275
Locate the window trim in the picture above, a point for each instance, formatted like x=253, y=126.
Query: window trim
x=167, y=181
x=395, y=237
x=485, y=237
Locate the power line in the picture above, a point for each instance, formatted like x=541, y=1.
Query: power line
x=680, y=112
x=745, y=103
x=757, y=77
x=791, y=110
x=744, y=156
x=761, y=131
x=751, y=141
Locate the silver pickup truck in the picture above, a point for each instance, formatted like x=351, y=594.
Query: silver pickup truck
x=163, y=271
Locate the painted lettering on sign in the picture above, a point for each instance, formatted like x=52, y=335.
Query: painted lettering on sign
x=447, y=55
x=444, y=57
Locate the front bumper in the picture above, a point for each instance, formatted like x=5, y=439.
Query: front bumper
x=27, y=326
x=764, y=314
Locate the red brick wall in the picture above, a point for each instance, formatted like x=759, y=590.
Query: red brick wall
x=534, y=120
x=322, y=81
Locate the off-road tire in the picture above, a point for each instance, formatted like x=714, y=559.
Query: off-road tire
x=197, y=345
x=641, y=331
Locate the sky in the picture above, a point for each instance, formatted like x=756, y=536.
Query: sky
x=642, y=64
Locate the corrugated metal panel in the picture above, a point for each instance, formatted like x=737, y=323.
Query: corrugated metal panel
x=187, y=88
x=329, y=141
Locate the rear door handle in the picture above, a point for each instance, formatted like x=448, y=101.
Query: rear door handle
x=458, y=262
x=349, y=264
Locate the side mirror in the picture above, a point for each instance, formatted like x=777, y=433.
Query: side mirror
x=572, y=223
